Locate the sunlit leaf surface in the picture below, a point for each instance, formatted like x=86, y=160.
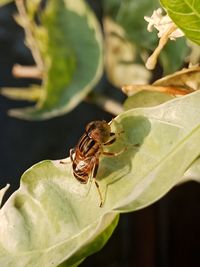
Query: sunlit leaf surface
x=54, y=220
x=146, y=99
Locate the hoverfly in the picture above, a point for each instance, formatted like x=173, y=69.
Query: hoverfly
x=85, y=156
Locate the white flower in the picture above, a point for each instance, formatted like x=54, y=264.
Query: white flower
x=162, y=23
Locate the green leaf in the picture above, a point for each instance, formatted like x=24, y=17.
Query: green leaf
x=146, y=99
x=186, y=15
x=49, y=221
x=130, y=16
x=53, y=220
x=171, y=129
x=4, y=2
x=70, y=44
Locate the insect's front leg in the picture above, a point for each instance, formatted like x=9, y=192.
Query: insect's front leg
x=112, y=154
x=112, y=140
x=94, y=174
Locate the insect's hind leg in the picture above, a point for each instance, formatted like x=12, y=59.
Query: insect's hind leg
x=71, y=154
x=94, y=174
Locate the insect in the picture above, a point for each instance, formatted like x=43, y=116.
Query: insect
x=85, y=156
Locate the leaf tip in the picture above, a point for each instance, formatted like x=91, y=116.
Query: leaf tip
x=3, y=191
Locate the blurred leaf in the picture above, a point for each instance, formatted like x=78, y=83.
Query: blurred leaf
x=70, y=44
x=194, y=55
x=187, y=78
x=32, y=93
x=4, y=2
x=130, y=16
x=146, y=99
x=186, y=15
x=183, y=80
x=179, y=83
x=32, y=7
x=173, y=56
x=52, y=219
x=120, y=56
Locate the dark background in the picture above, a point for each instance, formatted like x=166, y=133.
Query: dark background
x=166, y=233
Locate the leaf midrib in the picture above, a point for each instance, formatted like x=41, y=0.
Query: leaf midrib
x=161, y=162
x=189, y=6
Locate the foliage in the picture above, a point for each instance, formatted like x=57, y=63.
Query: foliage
x=52, y=219
x=68, y=75
x=129, y=15
x=56, y=219
x=185, y=13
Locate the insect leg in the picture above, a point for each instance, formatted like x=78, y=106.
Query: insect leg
x=111, y=141
x=114, y=154
x=71, y=153
x=94, y=174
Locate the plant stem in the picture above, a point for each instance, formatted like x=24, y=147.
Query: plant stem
x=105, y=103
x=30, y=40
x=20, y=71
x=152, y=60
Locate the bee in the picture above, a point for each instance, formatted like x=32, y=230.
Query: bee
x=85, y=156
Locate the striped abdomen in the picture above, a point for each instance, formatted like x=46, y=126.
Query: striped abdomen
x=86, y=154
x=88, y=147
